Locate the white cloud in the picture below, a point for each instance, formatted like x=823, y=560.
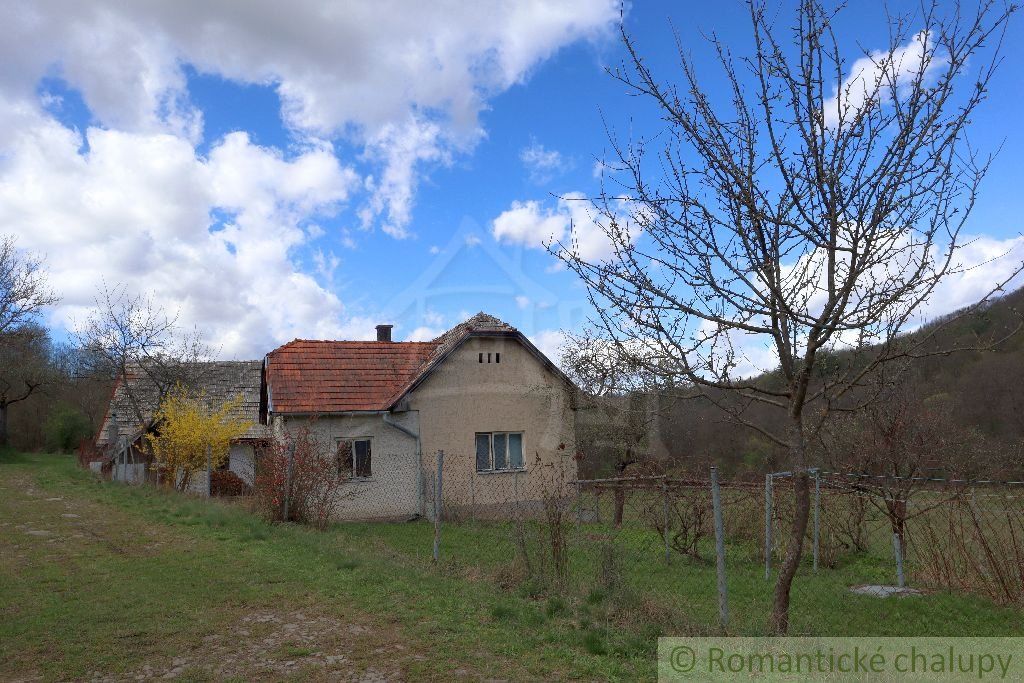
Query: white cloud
x=875, y=76
x=542, y=164
x=573, y=222
x=530, y=224
x=980, y=265
x=403, y=148
x=600, y=168
x=425, y=333
x=130, y=200
x=472, y=240
x=983, y=262
x=433, y=318
x=136, y=210
x=326, y=265
x=523, y=302
x=550, y=342
x=406, y=81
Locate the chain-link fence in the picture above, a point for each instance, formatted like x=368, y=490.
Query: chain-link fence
x=654, y=539
x=647, y=549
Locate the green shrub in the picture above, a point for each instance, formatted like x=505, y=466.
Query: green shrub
x=65, y=428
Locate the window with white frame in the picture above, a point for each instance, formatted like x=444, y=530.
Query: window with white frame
x=354, y=458
x=499, y=451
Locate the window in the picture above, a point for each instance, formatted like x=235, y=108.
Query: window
x=354, y=458
x=499, y=451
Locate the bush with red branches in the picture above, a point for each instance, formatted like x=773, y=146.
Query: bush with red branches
x=299, y=473
x=227, y=483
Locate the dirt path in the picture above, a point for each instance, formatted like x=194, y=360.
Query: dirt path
x=63, y=544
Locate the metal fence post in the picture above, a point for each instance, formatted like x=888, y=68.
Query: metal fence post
x=472, y=496
x=209, y=471
x=437, y=505
x=767, y=526
x=664, y=505
x=817, y=516
x=716, y=502
x=288, y=480
x=579, y=506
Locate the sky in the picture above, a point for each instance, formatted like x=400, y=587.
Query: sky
x=270, y=174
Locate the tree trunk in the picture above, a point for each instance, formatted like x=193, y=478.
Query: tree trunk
x=3, y=425
x=620, y=504
x=898, y=518
x=779, y=621
x=620, y=491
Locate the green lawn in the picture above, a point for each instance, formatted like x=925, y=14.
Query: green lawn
x=102, y=578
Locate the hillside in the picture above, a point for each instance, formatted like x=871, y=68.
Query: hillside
x=984, y=389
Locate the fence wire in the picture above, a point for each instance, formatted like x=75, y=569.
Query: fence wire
x=643, y=549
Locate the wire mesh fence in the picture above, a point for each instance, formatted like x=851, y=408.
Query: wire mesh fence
x=649, y=545
x=654, y=538
x=925, y=533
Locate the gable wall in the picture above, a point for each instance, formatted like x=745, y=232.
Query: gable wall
x=463, y=396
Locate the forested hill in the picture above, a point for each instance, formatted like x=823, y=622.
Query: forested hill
x=983, y=390
x=986, y=388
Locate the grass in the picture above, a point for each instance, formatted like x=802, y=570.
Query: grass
x=142, y=577
x=681, y=597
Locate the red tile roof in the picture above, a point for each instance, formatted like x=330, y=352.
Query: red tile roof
x=307, y=376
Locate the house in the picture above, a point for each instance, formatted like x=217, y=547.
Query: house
x=499, y=409
x=122, y=430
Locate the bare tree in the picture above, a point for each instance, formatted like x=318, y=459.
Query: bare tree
x=617, y=410
x=814, y=213
x=84, y=382
x=901, y=446
x=24, y=368
x=23, y=290
x=140, y=345
x=23, y=344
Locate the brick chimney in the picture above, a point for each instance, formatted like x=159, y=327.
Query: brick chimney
x=384, y=333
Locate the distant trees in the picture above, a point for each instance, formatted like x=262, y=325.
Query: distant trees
x=65, y=428
x=814, y=213
x=24, y=368
x=24, y=345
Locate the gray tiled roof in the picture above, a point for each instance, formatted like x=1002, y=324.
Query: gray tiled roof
x=219, y=381
x=481, y=322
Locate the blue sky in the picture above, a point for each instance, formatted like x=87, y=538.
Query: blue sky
x=315, y=175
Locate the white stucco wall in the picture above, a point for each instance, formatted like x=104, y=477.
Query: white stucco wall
x=464, y=396
x=241, y=462
x=393, y=490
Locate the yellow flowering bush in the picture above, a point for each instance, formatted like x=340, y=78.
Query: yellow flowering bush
x=186, y=426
